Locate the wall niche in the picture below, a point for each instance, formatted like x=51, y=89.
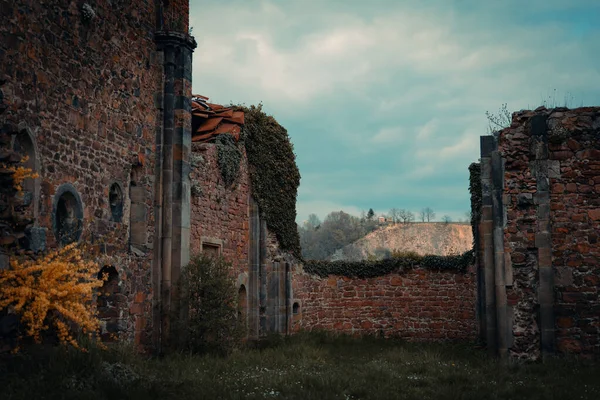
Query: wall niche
x=115, y=201
x=67, y=215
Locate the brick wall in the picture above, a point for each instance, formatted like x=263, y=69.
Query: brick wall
x=219, y=214
x=417, y=304
x=573, y=182
x=86, y=91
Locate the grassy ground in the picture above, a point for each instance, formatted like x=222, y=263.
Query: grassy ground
x=312, y=366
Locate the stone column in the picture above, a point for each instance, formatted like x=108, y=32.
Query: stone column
x=502, y=328
x=263, y=295
x=177, y=51
x=543, y=239
x=488, y=145
x=254, y=268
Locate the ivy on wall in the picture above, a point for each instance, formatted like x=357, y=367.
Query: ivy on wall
x=274, y=174
x=375, y=268
x=475, y=190
x=228, y=158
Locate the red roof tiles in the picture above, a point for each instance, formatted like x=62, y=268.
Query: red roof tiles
x=210, y=120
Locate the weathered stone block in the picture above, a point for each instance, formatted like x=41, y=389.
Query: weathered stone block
x=487, y=145
x=524, y=200
x=537, y=125
x=554, y=169
x=36, y=238
x=543, y=240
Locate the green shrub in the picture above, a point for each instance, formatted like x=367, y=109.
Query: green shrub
x=397, y=263
x=208, y=299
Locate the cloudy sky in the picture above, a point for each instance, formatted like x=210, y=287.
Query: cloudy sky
x=385, y=100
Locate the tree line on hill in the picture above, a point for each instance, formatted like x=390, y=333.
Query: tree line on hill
x=321, y=239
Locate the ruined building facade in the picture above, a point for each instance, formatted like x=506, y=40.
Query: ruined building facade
x=97, y=95
x=539, y=255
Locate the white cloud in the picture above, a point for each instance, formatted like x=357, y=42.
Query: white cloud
x=388, y=135
x=425, y=131
x=400, y=92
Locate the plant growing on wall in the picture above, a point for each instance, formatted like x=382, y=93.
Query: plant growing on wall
x=228, y=158
x=273, y=174
x=475, y=190
x=499, y=121
x=398, y=262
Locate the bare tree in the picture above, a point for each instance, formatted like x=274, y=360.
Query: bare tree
x=446, y=219
x=394, y=215
x=406, y=216
x=499, y=121
x=427, y=214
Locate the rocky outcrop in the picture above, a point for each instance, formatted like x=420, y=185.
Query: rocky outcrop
x=421, y=238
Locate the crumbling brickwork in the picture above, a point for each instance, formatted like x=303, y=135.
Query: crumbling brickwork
x=551, y=203
x=417, y=304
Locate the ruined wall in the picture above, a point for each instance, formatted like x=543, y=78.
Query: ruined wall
x=219, y=215
x=416, y=304
x=552, y=202
x=225, y=220
x=84, y=84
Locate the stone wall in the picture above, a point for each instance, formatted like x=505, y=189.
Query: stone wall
x=416, y=304
x=220, y=215
x=226, y=220
x=551, y=205
x=84, y=84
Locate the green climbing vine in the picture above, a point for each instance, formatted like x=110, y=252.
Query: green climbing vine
x=228, y=157
x=374, y=268
x=274, y=174
x=475, y=190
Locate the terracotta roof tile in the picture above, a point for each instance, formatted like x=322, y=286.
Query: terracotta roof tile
x=209, y=125
x=237, y=118
x=210, y=120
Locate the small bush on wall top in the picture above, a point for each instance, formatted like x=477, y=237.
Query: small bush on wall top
x=273, y=173
x=397, y=263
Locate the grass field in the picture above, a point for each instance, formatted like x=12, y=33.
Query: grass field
x=308, y=366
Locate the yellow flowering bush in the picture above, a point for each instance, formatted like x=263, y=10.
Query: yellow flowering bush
x=56, y=290
x=21, y=173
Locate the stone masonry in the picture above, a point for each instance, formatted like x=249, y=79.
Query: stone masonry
x=540, y=226
x=88, y=85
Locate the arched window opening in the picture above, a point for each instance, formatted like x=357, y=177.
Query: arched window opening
x=115, y=199
x=242, y=303
x=24, y=146
x=67, y=215
x=296, y=308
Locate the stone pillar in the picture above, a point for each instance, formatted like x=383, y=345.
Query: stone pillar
x=263, y=294
x=182, y=145
x=503, y=330
x=253, y=268
x=543, y=240
x=488, y=145
x=177, y=51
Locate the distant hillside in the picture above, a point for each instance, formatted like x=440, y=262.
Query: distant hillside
x=422, y=238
